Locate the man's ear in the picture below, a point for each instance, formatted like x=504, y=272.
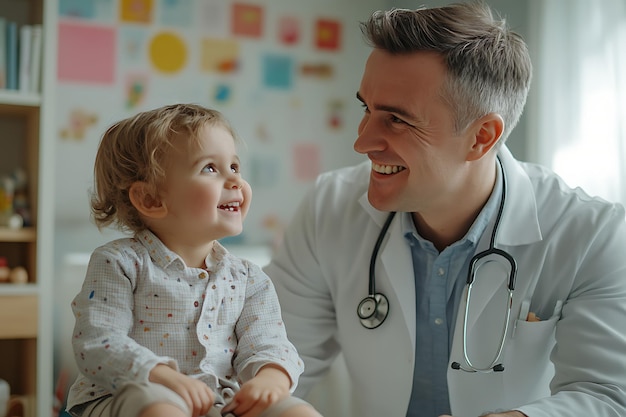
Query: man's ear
x=487, y=132
x=146, y=204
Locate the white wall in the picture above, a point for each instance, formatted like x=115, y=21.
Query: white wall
x=269, y=120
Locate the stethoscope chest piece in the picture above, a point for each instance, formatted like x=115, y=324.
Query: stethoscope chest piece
x=373, y=310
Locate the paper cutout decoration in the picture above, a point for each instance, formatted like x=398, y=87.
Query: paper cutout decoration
x=219, y=55
x=136, y=11
x=214, y=17
x=86, y=53
x=327, y=34
x=320, y=70
x=222, y=93
x=87, y=9
x=132, y=44
x=277, y=71
x=306, y=161
x=168, y=52
x=335, y=114
x=176, y=12
x=136, y=86
x=247, y=20
x=288, y=30
x=263, y=170
x=77, y=126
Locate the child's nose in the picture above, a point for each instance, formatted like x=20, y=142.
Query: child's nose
x=236, y=184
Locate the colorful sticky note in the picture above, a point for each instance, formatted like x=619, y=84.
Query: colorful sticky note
x=219, y=55
x=86, y=53
x=213, y=17
x=86, y=9
x=278, y=71
x=306, y=161
x=288, y=30
x=176, y=12
x=327, y=34
x=136, y=11
x=247, y=20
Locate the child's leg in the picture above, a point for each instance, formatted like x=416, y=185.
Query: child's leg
x=163, y=410
x=291, y=407
x=139, y=400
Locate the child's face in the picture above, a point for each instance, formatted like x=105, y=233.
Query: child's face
x=205, y=195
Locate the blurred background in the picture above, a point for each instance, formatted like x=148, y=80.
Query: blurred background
x=285, y=73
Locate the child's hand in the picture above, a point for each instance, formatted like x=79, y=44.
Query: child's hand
x=198, y=396
x=270, y=385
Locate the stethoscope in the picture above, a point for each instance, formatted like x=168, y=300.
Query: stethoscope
x=374, y=309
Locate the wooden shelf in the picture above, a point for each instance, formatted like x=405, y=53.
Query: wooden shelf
x=15, y=98
x=27, y=143
x=26, y=235
x=19, y=316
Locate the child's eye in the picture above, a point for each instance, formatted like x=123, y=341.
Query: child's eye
x=235, y=168
x=209, y=168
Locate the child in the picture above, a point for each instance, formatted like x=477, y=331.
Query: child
x=168, y=323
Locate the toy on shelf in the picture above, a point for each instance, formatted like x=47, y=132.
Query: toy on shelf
x=7, y=191
x=21, y=206
x=17, y=275
x=5, y=271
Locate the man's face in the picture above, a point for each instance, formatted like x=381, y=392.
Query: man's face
x=408, y=133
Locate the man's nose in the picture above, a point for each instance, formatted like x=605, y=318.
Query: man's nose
x=369, y=138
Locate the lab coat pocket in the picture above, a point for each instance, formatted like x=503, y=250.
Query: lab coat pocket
x=527, y=360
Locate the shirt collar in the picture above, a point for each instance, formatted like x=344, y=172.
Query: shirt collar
x=480, y=223
x=160, y=254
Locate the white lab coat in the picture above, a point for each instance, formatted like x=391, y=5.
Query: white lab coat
x=568, y=247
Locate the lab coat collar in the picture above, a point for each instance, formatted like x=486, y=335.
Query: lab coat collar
x=520, y=222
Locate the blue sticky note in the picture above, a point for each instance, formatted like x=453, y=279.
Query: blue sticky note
x=278, y=71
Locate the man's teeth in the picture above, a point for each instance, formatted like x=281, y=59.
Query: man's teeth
x=387, y=169
x=234, y=206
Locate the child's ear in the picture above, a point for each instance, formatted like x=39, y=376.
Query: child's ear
x=146, y=204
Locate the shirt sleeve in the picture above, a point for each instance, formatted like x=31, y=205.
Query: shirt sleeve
x=261, y=331
x=103, y=310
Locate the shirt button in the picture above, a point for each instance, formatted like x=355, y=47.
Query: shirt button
x=440, y=272
x=438, y=321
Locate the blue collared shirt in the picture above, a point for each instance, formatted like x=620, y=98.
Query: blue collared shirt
x=439, y=282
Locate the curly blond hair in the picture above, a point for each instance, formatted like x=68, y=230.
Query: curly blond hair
x=134, y=149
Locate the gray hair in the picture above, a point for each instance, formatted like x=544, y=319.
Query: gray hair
x=489, y=67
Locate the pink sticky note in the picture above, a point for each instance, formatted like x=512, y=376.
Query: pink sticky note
x=306, y=161
x=86, y=53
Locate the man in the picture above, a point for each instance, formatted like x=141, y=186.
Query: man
x=541, y=330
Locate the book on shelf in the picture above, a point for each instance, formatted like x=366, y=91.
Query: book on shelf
x=3, y=52
x=23, y=77
x=11, y=55
x=20, y=56
x=35, y=58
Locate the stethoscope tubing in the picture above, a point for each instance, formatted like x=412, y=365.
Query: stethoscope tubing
x=374, y=308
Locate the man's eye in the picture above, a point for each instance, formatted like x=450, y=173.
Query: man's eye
x=395, y=119
x=364, y=107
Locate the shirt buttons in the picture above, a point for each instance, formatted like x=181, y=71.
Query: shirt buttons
x=438, y=321
x=440, y=272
